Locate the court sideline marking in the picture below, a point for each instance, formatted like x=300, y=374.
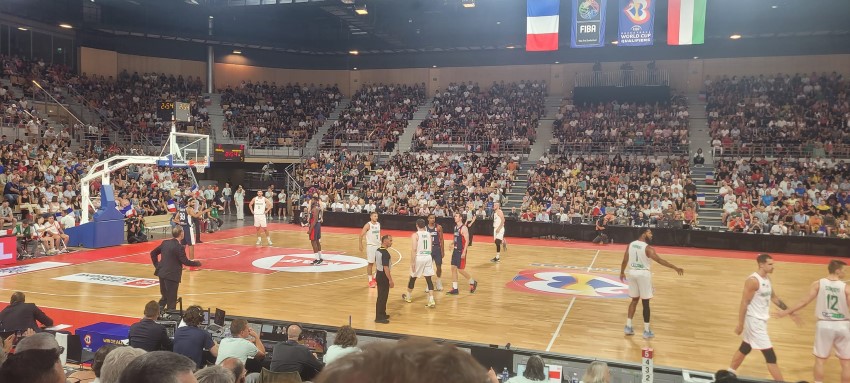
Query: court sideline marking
x=567, y=312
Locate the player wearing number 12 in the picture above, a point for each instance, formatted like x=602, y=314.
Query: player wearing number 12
x=421, y=264
x=637, y=258
x=372, y=232
x=833, y=328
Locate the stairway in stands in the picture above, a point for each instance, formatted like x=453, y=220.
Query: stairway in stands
x=315, y=142
x=519, y=187
x=405, y=141
x=709, y=216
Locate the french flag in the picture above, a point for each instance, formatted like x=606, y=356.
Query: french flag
x=172, y=206
x=195, y=191
x=128, y=211
x=542, y=25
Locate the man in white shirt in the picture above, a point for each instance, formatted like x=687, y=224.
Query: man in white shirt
x=68, y=220
x=6, y=215
x=261, y=206
x=245, y=343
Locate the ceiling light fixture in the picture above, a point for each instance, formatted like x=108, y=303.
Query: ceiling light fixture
x=22, y=29
x=354, y=52
x=66, y=26
x=433, y=66
x=361, y=9
x=735, y=36
x=349, y=2
x=696, y=57
x=510, y=47
x=191, y=2
x=615, y=42
x=774, y=6
x=237, y=52
x=557, y=62
x=355, y=68
x=468, y=3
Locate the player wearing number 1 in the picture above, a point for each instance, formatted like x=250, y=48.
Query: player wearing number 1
x=372, y=232
x=833, y=328
x=637, y=258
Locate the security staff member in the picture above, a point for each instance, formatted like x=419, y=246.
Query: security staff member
x=169, y=269
x=383, y=262
x=147, y=334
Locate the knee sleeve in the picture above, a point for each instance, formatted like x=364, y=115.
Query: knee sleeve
x=411, y=283
x=498, y=245
x=645, y=303
x=769, y=356
x=430, y=283
x=745, y=348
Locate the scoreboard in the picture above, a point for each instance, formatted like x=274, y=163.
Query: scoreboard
x=229, y=153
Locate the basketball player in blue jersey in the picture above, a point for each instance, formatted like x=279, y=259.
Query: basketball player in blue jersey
x=183, y=218
x=461, y=239
x=436, y=231
x=314, y=229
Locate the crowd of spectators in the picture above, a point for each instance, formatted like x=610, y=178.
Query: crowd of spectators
x=271, y=115
x=627, y=128
x=130, y=103
x=413, y=183
x=802, y=115
x=785, y=196
x=504, y=117
x=376, y=117
x=625, y=191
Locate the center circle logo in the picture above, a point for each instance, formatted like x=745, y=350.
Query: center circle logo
x=569, y=284
x=302, y=263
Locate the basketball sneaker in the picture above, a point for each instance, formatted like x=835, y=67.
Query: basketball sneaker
x=373, y=284
x=270, y=241
x=495, y=260
x=406, y=298
x=318, y=262
x=259, y=241
x=431, y=303
x=382, y=321
x=453, y=292
x=648, y=334
x=473, y=287
x=629, y=331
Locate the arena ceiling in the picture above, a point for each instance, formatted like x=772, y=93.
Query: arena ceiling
x=402, y=26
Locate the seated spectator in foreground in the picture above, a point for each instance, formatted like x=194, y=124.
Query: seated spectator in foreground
x=344, y=344
x=237, y=368
x=115, y=363
x=19, y=315
x=93, y=375
x=147, y=334
x=33, y=366
x=159, y=367
x=597, y=372
x=409, y=361
x=535, y=371
x=240, y=346
x=214, y=374
x=724, y=376
x=191, y=340
x=290, y=356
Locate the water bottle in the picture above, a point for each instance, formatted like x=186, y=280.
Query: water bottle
x=575, y=378
x=505, y=375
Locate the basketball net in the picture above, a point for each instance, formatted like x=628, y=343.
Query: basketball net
x=199, y=166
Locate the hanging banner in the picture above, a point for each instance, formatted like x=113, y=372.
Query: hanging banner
x=542, y=25
x=588, y=24
x=637, y=20
x=686, y=22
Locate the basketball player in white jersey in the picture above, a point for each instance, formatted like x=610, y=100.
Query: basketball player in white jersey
x=498, y=231
x=637, y=258
x=372, y=232
x=833, y=328
x=421, y=264
x=753, y=315
x=260, y=206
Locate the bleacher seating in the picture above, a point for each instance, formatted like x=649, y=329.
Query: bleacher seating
x=375, y=118
x=504, y=117
x=269, y=116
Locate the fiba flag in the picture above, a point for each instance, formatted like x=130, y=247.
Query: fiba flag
x=637, y=21
x=542, y=25
x=686, y=22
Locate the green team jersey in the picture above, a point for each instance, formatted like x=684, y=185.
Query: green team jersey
x=214, y=212
x=23, y=231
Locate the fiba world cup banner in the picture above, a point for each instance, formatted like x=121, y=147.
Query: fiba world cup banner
x=588, y=24
x=637, y=20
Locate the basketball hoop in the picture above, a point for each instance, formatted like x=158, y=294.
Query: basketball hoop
x=200, y=166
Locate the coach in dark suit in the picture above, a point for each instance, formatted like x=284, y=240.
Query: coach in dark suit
x=169, y=268
x=19, y=315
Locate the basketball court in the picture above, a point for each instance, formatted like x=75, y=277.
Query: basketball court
x=545, y=294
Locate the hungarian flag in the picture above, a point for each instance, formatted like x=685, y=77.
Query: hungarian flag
x=542, y=25
x=686, y=22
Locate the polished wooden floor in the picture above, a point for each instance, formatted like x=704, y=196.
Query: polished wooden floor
x=693, y=316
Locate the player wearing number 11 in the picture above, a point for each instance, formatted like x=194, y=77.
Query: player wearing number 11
x=833, y=328
x=421, y=264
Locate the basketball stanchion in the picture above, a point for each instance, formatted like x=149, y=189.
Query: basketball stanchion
x=646, y=365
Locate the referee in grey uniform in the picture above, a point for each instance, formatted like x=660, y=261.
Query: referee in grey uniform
x=384, y=279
